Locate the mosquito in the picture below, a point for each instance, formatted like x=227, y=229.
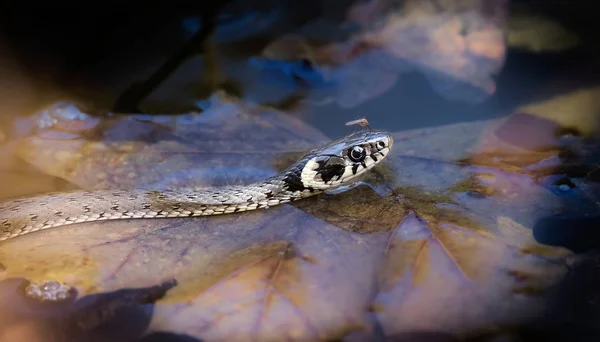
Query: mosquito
x=362, y=122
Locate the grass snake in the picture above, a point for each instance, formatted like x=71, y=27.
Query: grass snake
x=335, y=164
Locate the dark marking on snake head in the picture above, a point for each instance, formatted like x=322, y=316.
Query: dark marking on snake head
x=355, y=168
x=115, y=207
x=327, y=174
x=329, y=167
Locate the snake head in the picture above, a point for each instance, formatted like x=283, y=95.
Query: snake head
x=341, y=161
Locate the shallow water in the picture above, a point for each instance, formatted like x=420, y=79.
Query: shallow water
x=347, y=242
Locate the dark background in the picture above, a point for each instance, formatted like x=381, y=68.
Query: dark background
x=87, y=48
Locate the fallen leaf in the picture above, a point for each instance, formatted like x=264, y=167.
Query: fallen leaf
x=457, y=45
x=439, y=242
x=229, y=143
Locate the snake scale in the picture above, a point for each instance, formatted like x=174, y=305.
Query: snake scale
x=335, y=164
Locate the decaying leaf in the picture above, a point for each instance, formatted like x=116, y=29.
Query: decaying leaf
x=439, y=242
x=119, y=315
x=457, y=45
x=228, y=143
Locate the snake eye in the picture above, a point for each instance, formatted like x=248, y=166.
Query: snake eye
x=357, y=154
x=381, y=144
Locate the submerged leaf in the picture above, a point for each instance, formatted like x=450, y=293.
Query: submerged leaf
x=119, y=315
x=457, y=45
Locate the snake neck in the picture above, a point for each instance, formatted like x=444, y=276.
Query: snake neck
x=22, y=216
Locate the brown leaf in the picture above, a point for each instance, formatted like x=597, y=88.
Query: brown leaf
x=458, y=45
x=230, y=143
x=438, y=243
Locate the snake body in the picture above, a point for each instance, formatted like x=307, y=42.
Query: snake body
x=335, y=164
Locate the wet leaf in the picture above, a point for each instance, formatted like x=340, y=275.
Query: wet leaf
x=575, y=110
x=457, y=45
x=228, y=143
x=439, y=242
x=120, y=315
